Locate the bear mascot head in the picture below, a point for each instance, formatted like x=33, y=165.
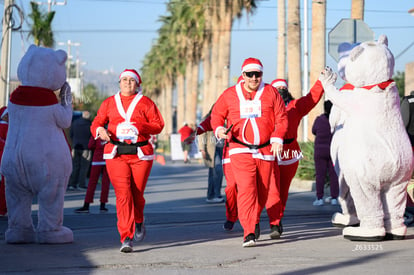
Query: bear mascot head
x=36, y=160
x=374, y=153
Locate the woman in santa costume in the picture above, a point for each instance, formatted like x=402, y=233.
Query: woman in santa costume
x=98, y=168
x=259, y=122
x=131, y=118
x=288, y=160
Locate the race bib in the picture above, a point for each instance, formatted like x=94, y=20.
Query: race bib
x=250, y=109
x=127, y=131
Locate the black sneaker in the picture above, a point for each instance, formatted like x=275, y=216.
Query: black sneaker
x=249, y=241
x=228, y=226
x=276, y=231
x=139, y=232
x=126, y=245
x=257, y=231
x=82, y=210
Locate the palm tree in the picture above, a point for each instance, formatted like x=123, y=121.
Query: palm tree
x=357, y=9
x=294, y=53
x=41, y=29
x=317, y=59
x=220, y=16
x=281, y=39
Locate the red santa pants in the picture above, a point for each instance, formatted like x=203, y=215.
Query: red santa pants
x=129, y=175
x=231, y=193
x=96, y=171
x=277, y=198
x=253, y=177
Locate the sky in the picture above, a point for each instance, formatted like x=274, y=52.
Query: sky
x=114, y=35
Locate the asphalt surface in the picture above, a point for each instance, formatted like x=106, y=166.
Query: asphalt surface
x=185, y=236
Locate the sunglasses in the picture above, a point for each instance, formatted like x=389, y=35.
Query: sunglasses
x=251, y=74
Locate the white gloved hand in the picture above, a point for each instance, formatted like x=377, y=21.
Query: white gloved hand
x=327, y=77
x=65, y=95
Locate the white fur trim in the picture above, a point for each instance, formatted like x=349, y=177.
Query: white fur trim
x=252, y=66
x=276, y=139
x=131, y=74
x=279, y=84
x=286, y=162
x=225, y=161
x=216, y=131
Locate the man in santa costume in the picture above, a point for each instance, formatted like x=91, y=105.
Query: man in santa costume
x=256, y=116
x=131, y=118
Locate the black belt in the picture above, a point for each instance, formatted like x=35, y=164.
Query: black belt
x=251, y=146
x=289, y=140
x=138, y=144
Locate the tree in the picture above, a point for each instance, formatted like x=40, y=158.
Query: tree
x=91, y=100
x=281, y=39
x=294, y=53
x=317, y=58
x=41, y=28
x=357, y=9
x=399, y=79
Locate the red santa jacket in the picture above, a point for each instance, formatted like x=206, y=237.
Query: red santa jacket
x=268, y=124
x=296, y=110
x=97, y=146
x=145, y=117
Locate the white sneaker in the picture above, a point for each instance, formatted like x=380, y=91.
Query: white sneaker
x=328, y=199
x=215, y=200
x=318, y=202
x=334, y=202
x=126, y=246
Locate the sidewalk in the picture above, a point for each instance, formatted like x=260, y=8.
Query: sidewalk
x=185, y=236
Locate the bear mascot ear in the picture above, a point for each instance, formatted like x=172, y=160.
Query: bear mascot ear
x=383, y=39
x=61, y=56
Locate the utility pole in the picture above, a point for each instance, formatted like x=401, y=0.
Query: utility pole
x=51, y=3
x=5, y=53
x=69, y=44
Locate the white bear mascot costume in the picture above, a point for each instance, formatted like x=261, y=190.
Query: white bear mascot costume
x=36, y=159
x=375, y=154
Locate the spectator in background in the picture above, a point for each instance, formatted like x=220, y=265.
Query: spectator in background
x=407, y=113
x=4, y=126
x=186, y=131
x=212, y=152
x=323, y=162
x=98, y=168
x=81, y=155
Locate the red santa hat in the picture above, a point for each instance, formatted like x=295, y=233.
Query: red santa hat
x=3, y=111
x=252, y=64
x=279, y=83
x=132, y=73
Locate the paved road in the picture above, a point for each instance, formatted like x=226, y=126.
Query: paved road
x=185, y=236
